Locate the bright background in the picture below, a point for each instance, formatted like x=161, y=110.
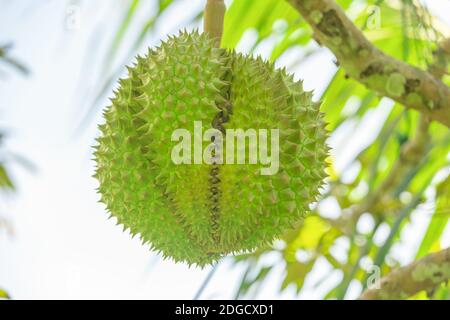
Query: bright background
x=63, y=245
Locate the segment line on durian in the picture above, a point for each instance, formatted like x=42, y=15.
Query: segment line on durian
x=223, y=116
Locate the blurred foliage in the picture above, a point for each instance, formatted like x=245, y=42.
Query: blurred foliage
x=3, y=294
x=6, y=184
x=7, y=60
x=439, y=219
x=379, y=193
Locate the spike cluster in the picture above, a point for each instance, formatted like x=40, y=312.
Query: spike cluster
x=199, y=213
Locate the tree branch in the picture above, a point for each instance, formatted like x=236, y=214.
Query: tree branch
x=406, y=84
x=424, y=274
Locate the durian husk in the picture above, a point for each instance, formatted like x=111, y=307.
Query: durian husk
x=200, y=213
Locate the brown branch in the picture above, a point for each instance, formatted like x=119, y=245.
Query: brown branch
x=424, y=274
x=406, y=84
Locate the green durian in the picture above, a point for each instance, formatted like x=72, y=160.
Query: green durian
x=199, y=213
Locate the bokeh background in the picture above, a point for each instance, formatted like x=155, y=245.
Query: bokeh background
x=58, y=65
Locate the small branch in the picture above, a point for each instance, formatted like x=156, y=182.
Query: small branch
x=424, y=274
x=213, y=19
x=414, y=88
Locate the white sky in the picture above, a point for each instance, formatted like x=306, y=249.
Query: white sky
x=63, y=245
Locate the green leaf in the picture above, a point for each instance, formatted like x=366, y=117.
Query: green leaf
x=120, y=33
x=338, y=92
x=5, y=181
x=255, y=14
x=4, y=294
x=398, y=225
x=247, y=281
x=438, y=222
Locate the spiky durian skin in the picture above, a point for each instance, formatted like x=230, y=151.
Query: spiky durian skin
x=198, y=213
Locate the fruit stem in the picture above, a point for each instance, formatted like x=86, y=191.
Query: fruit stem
x=213, y=19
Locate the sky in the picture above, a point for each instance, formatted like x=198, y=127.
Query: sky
x=63, y=245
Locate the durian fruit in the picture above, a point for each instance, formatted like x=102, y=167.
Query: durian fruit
x=198, y=213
